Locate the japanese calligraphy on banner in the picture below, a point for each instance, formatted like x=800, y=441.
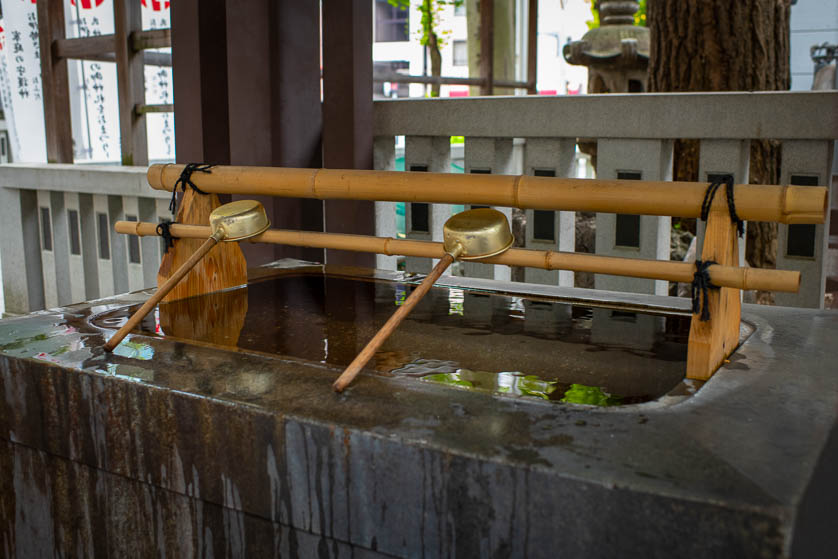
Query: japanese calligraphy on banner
x=94, y=99
x=158, y=88
x=21, y=82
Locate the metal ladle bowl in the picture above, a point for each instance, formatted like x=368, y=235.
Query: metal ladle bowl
x=469, y=235
x=235, y=221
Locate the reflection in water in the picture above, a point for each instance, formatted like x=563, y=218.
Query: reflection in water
x=134, y=350
x=503, y=344
x=216, y=317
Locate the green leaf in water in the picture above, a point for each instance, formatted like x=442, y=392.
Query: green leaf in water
x=590, y=395
x=532, y=385
x=451, y=379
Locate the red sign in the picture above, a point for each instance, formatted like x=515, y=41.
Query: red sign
x=85, y=4
x=157, y=5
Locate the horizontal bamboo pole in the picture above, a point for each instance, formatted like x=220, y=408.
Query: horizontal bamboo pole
x=724, y=276
x=785, y=204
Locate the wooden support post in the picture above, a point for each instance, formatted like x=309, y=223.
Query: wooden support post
x=130, y=83
x=55, y=83
x=532, y=47
x=487, y=46
x=712, y=341
x=347, y=115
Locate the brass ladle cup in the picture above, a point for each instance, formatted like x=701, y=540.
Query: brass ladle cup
x=469, y=235
x=235, y=221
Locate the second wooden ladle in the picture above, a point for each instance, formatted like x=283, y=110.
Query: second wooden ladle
x=235, y=221
x=469, y=235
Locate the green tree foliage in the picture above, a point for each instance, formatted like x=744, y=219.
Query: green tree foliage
x=639, y=17
x=431, y=37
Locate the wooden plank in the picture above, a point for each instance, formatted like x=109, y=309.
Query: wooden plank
x=84, y=47
x=347, y=115
x=142, y=108
x=151, y=39
x=712, y=341
x=487, y=46
x=532, y=46
x=55, y=84
x=130, y=84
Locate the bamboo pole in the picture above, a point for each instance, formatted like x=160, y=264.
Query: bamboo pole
x=726, y=276
x=784, y=204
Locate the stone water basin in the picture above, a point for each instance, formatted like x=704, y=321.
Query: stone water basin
x=503, y=343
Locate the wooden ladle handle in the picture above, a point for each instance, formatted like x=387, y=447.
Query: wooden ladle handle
x=392, y=323
x=161, y=292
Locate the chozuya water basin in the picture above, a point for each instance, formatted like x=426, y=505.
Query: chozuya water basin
x=221, y=430
x=462, y=335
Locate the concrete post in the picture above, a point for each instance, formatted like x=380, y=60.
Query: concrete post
x=717, y=158
x=23, y=288
x=46, y=235
x=488, y=155
x=550, y=230
x=384, y=159
x=133, y=254
x=804, y=247
x=633, y=236
x=96, y=220
x=71, y=237
x=424, y=221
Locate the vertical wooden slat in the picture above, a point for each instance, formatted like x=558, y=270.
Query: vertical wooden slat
x=532, y=46
x=55, y=82
x=130, y=83
x=487, y=46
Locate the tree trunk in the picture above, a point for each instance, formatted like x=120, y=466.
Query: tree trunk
x=718, y=45
x=436, y=61
x=503, y=38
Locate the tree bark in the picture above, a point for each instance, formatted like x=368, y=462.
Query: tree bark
x=718, y=45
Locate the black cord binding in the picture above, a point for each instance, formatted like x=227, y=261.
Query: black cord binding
x=727, y=180
x=186, y=179
x=700, y=285
x=164, y=231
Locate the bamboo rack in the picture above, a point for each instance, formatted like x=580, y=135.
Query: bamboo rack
x=727, y=276
x=784, y=204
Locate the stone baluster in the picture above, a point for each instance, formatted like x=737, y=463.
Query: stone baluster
x=546, y=229
x=72, y=238
x=384, y=159
x=424, y=221
x=633, y=236
x=23, y=288
x=716, y=159
x=804, y=247
x=488, y=155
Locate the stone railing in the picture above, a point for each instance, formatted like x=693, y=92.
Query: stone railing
x=59, y=246
x=634, y=136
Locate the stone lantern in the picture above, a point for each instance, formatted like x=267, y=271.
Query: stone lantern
x=616, y=53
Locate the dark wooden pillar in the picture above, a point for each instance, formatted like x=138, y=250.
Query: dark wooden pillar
x=55, y=83
x=130, y=82
x=532, y=47
x=199, y=60
x=273, y=65
x=487, y=47
x=347, y=115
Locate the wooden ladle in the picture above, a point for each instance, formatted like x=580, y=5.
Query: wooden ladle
x=235, y=221
x=469, y=235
